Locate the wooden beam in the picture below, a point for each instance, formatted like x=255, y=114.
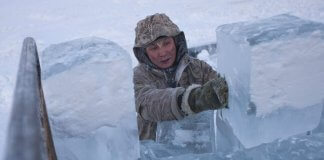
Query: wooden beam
x=29, y=134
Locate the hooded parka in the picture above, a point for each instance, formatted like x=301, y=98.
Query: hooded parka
x=157, y=91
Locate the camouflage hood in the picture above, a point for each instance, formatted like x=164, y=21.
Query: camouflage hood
x=181, y=46
x=153, y=27
x=150, y=29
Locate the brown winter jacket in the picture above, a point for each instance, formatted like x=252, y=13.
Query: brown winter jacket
x=155, y=99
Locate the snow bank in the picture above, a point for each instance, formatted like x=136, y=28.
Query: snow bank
x=89, y=93
x=275, y=72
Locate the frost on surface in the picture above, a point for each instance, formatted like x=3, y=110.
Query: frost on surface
x=275, y=71
x=90, y=99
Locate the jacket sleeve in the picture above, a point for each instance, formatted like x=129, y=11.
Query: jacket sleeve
x=208, y=72
x=155, y=104
x=203, y=73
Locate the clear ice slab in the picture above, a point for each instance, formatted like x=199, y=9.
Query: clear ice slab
x=274, y=68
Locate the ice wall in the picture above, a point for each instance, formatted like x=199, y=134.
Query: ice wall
x=275, y=72
x=89, y=93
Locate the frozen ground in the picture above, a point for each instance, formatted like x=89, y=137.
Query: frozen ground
x=57, y=21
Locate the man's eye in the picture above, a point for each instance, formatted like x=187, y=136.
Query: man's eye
x=166, y=43
x=153, y=48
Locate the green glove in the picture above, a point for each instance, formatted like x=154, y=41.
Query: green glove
x=212, y=95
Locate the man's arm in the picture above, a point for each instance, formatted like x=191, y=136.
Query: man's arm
x=155, y=104
x=208, y=72
x=211, y=94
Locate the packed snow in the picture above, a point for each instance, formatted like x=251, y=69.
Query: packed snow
x=90, y=99
x=52, y=22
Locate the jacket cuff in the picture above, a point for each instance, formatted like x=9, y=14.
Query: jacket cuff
x=175, y=109
x=185, y=104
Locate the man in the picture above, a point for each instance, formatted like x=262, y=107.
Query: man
x=169, y=84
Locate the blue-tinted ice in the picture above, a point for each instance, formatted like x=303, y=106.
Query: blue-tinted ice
x=277, y=61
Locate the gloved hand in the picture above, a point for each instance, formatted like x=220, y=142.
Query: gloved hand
x=212, y=95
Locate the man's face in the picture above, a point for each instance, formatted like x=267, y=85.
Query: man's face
x=162, y=52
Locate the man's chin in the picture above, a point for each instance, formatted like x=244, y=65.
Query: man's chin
x=165, y=66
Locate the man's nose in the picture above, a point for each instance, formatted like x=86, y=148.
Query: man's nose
x=162, y=52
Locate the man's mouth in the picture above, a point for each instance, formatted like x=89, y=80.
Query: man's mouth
x=165, y=61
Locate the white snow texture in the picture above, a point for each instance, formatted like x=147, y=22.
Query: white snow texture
x=90, y=99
